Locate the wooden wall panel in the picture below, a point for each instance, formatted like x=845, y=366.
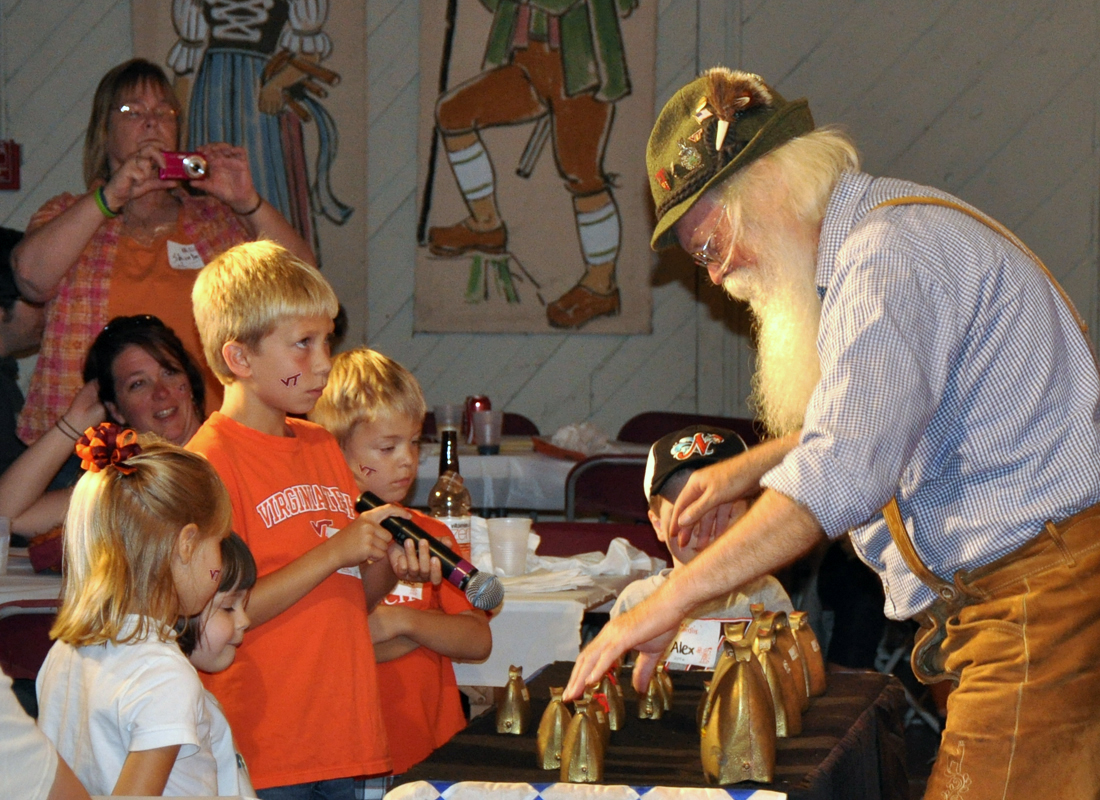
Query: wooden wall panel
x=53, y=56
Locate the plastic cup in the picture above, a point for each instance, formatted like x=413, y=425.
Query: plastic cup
x=5, y=543
x=487, y=426
x=448, y=417
x=508, y=544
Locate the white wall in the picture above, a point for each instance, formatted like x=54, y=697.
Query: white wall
x=994, y=102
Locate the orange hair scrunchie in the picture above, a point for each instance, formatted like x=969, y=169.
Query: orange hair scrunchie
x=107, y=445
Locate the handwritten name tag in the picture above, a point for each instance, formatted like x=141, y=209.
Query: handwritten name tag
x=184, y=256
x=697, y=645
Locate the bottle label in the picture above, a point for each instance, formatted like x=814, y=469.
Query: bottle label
x=460, y=530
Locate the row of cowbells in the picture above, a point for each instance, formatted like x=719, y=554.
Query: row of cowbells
x=768, y=670
x=576, y=743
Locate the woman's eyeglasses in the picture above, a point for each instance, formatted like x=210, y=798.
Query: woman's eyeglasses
x=134, y=112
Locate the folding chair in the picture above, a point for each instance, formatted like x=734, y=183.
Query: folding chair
x=607, y=486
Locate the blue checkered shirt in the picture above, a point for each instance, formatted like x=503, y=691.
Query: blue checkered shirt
x=952, y=375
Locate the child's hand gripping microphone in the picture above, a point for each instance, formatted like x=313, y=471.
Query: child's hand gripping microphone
x=483, y=591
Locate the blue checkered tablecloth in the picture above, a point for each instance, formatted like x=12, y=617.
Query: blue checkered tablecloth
x=476, y=790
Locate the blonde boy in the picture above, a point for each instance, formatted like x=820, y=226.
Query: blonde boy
x=375, y=409
x=672, y=459
x=302, y=694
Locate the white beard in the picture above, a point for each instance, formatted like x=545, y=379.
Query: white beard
x=781, y=290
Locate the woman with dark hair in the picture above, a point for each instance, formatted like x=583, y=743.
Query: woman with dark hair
x=146, y=379
x=132, y=243
x=139, y=374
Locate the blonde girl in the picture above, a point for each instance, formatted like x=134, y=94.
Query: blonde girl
x=142, y=548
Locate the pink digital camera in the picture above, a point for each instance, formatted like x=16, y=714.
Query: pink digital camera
x=183, y=167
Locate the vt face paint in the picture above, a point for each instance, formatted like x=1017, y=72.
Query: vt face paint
x=292, y=380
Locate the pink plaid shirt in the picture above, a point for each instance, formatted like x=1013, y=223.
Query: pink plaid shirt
x=76, y=315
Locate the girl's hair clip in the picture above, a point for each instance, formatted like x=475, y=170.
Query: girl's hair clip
x=107, y=445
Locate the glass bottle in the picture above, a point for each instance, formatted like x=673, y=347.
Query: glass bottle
x=449, y=500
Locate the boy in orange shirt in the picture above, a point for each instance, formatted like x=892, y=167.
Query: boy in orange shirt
x=302, y=695
x=375, y=409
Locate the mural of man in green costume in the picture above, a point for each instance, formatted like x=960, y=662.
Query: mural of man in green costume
x=561, y=63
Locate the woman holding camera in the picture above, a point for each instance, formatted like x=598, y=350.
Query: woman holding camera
x=134, y=242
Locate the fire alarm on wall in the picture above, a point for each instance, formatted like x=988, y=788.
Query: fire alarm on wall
x=9, y=165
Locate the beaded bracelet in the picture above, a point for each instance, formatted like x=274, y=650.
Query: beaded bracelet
x=101, y=201
x=253, y=210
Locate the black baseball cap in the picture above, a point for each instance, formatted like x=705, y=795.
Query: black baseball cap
x=687, y=449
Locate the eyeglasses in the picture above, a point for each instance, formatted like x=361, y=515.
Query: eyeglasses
x=710, y=252
x=132, y=112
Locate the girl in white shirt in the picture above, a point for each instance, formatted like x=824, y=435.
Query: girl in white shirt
x=143, y=534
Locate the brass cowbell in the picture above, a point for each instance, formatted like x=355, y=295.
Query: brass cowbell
x=514, y=707
x=582, y=750
x=788, y=706
x=738, y=739
x=811, y=652
x=552, y=727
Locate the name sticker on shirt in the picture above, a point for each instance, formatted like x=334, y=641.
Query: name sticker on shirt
x=184, y=256
x=329, y=533
x=697, y=645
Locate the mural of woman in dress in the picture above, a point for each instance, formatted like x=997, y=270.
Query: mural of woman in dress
x=257, y=78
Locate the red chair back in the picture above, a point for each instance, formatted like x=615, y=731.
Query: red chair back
x=570, y=538
x=24, y=642
x=607, y=486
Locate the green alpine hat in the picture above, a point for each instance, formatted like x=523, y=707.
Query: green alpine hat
x=715, y=125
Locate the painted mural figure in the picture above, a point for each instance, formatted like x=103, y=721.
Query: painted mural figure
x=560, y=63
x=258, y=77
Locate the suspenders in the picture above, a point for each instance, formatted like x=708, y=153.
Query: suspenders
x=946, y=591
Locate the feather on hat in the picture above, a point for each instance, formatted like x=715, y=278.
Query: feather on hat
x=718, y=123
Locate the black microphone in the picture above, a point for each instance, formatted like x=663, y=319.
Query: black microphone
x=483, y=591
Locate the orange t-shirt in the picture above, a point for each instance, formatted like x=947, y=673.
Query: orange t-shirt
x=157, y=279
x=420, y=699
x=302, y=695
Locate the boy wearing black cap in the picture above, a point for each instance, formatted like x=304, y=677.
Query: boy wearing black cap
x=672, y=460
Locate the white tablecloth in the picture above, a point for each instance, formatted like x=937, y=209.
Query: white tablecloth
x=23, y=591
x=533, y=630
x=530, y=481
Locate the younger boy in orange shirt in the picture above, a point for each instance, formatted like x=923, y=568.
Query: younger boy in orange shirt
x=302, y=695
x=375, y=409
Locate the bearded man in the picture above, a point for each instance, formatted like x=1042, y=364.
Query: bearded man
x=930, y=390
